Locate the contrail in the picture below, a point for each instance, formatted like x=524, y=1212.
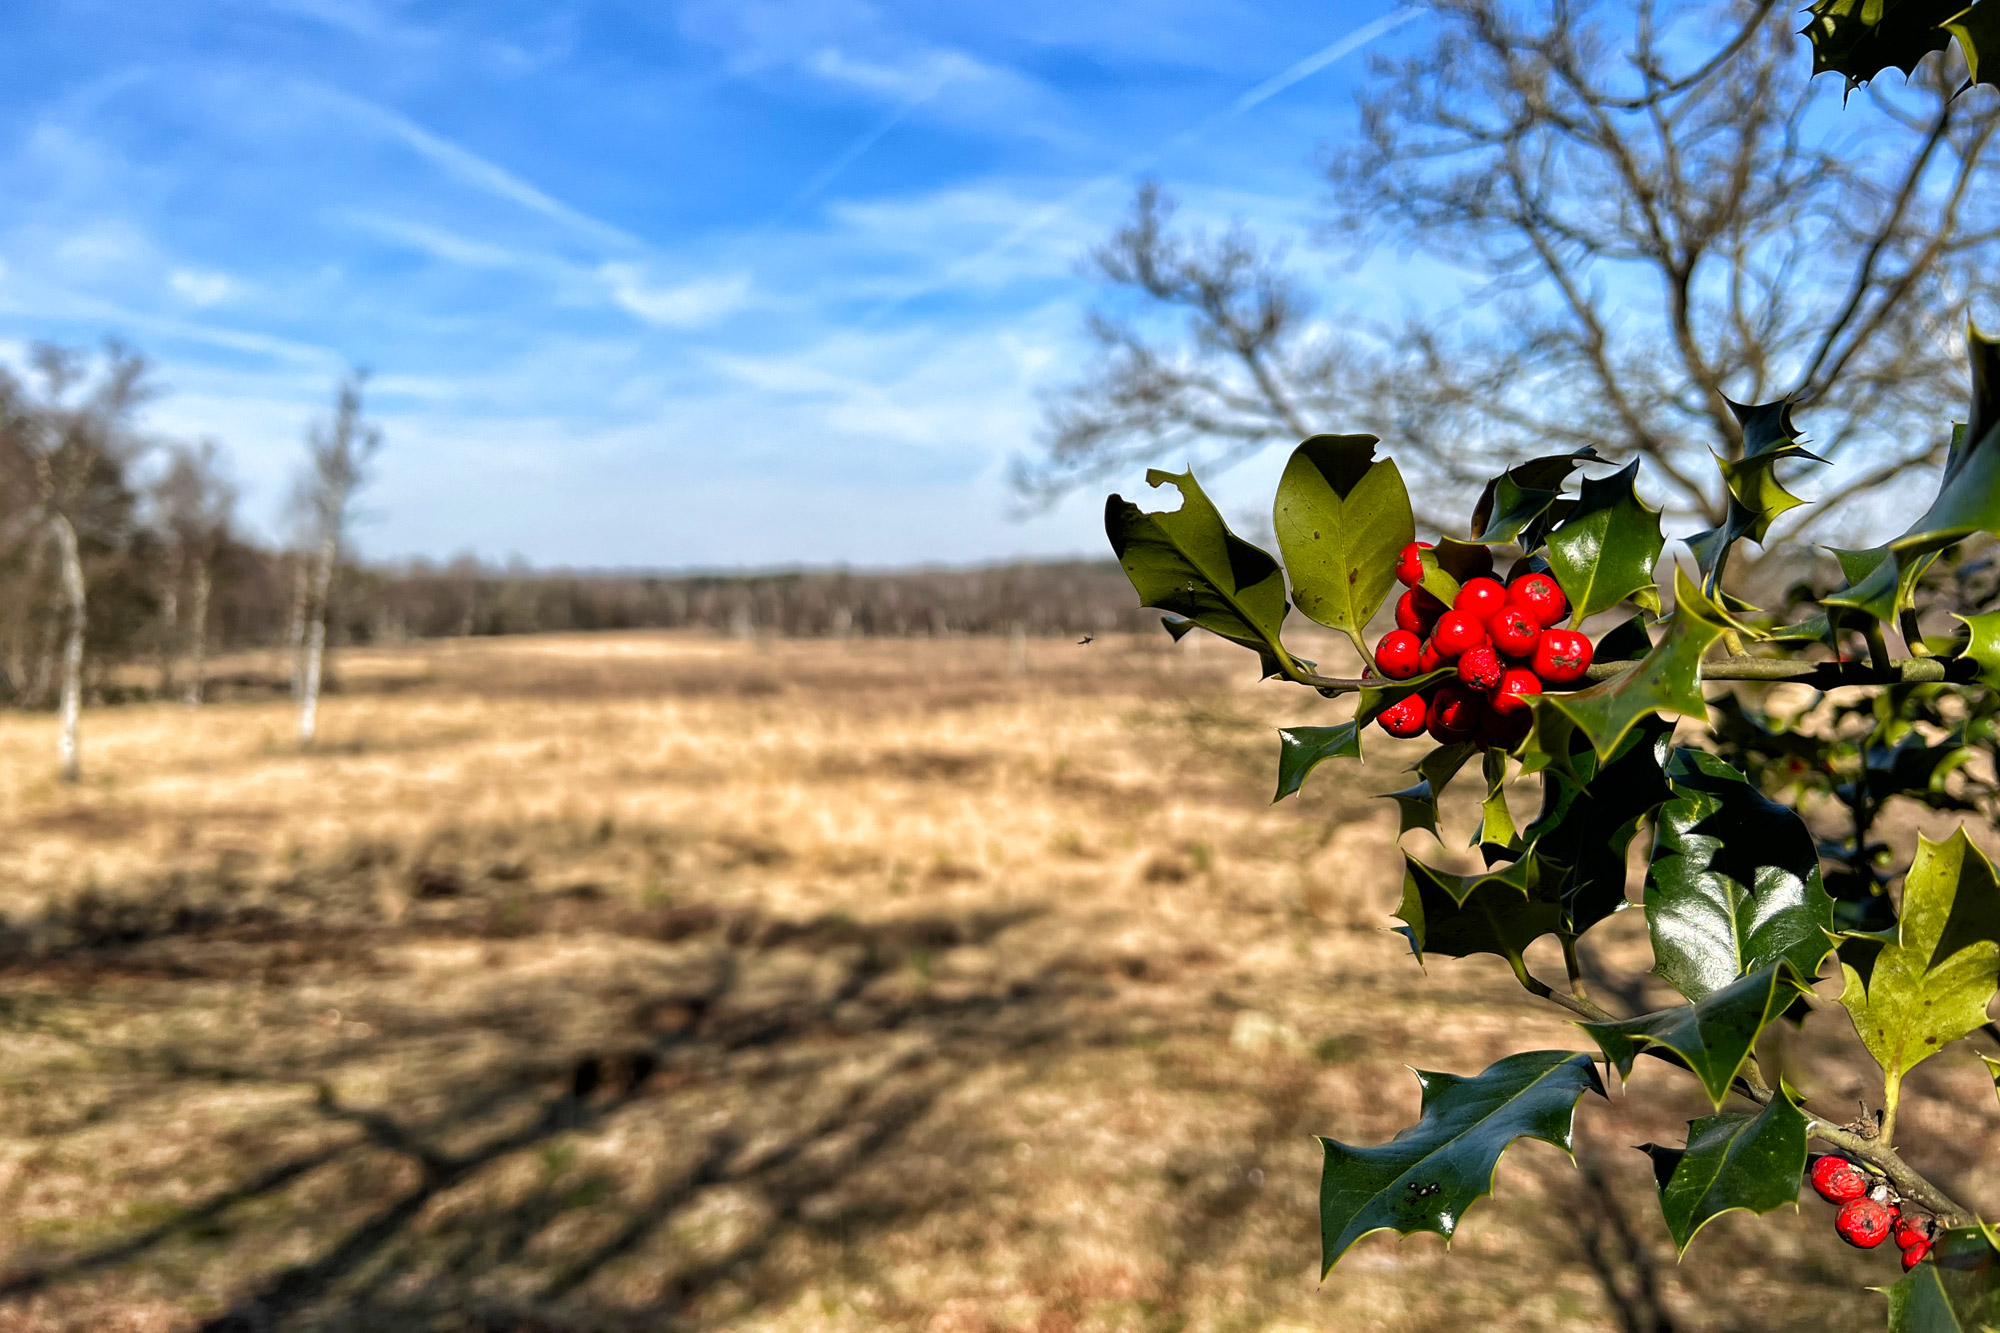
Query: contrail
x=1042, y=217
x=826, y=175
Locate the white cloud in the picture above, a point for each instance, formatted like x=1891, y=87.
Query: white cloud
x=202, y=289
x=674, y=305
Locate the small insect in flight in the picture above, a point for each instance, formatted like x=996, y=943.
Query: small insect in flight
x=1085, y=639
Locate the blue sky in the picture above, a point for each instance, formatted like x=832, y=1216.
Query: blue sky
x=708, y=283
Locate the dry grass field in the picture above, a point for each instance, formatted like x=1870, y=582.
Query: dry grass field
x=645, y=982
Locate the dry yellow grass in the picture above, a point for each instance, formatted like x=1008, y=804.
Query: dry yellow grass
x=644, y=982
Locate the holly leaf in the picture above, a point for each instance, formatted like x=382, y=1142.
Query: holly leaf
x=1589, y=817
x=1713, y=1037
x=1604, y=552
x=1861, y=38
x=1968, y=498
x=1499, y=912
x=1416, y=808
x=1426, y=1177
x=1667, y=679
x=1450, y=563
x=1984, y=646
x=1978, y=32
x=1956, y=1290
x=1993, y=1068
x=1302, y=749
x=1496, y=838
x=1342, y=517
x=1731, y=1162
x=1186, y=561
x=1441, y=765
x=1931, y=985
x=1521, y=497
x=1734, y=884
x=1756, y=497
x=1628, y=641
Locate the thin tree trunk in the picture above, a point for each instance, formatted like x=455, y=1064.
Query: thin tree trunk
x=170, y=616
x=315, y=655
x=198, y=634
x=72, y=660
x=295, y=632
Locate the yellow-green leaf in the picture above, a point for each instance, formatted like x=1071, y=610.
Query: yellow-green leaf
x=1342, y=516
x=1667, y=679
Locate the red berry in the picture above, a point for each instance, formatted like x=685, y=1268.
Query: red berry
x=1914, y=1255
x=1417, y=611
x=1514, y=632
x=1456, y=713
x=1838, y=1179
x=1397, y=654
x=1405, y=717
x=1481, y=598
x=1864, y=1223
x=1456, y=631
x=1410, y=564
x=1562, y=656
x=1540, y=596
x=1428, y=660
x=1512, y=695
x=1912, y=1231
x=1480, y=667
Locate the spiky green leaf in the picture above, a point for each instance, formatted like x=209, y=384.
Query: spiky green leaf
x=1302, y=749
x=1667, y=679
x=1955, y=1290
x=1499, y=912
x=1188, y=562
x=1931, y=985
x=1426, y=1177
x=1714, y=1037
x=1604, y=552
x=1731, y=1162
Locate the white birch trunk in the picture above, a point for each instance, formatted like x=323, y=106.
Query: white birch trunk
x=198, y=634
x=72, y=658
x=170, y=625
x=315, y=655
x=295, y=632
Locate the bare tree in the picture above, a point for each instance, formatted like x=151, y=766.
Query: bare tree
x=338, y=457
x=193, y=506
x=68, y=445
x=1638, y=236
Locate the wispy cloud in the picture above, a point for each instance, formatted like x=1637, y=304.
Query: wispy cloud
x=682, y=305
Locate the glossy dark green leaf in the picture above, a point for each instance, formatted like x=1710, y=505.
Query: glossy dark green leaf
x=1861, y=38
x=1668, y=679
x=1499, y=912
x=1449, y=563
x=1441, y=765
x=1518, y=498
x=1416, y=808
x=1752, y=1163
x=1342, y=517
x=1426, y=1177
x=1589, y=816
x=1627, y=641
x=1918, y=997
x=1302, y=749
x=1604, y=552
x=1187, y=562
x=1969, y=495
x=1714, y=1037
x=1734, y=883
x=1955, y=1290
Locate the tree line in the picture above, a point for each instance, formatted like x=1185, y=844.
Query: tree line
x=121, y=550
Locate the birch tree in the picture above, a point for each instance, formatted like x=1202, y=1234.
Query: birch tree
x=338, y=458
x=71, y=438
x=193, y=506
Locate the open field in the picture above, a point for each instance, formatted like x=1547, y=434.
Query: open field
x=649, y=982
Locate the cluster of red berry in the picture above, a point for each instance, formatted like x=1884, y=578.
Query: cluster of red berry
x=1870, y=1211
x=1503, y=639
